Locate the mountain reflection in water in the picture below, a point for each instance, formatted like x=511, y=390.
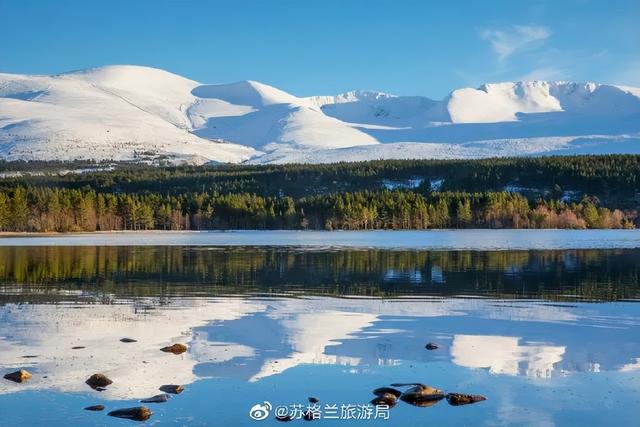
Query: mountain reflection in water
x=297, y=322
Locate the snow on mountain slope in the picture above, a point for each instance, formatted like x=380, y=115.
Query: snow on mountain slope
x=542, y=146
x=119, y=113
x=495, y=111
x=125, y=112
x=502, y=102
x=490, y=103
x=155, y=91
x=247, y=92
x=257, y=115
x=382, y=109
x=132, y=112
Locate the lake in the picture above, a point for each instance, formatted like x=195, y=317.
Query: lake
x=544, y=324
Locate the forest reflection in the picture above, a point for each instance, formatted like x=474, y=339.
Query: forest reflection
x=41, y=274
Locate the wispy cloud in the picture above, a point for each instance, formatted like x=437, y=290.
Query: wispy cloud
x=510, y=40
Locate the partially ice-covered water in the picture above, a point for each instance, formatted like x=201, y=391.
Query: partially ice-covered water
x=433, y=239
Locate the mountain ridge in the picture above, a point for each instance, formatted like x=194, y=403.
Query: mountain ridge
x=126, y=112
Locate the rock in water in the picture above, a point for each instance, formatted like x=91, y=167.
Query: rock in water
x=176, y=348
x=94, y=408
x=172, y=388
x=139, y=413
x=18, y=376
x=98, y=381
x=385, y=399
x=431, y=346
x=457, y=399
x=313, y=399
x=384, y=390
x=158, y=398
x=420, y=394
x=128, y=340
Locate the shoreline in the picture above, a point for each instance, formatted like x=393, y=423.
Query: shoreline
x=255, y=230
x=441, y=239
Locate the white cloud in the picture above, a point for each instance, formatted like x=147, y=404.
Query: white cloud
x=505, y=42
x=506, y=355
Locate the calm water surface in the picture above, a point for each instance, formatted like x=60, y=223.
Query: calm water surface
x=550, y=337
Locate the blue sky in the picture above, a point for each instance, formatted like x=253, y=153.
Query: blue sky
x=326, y=47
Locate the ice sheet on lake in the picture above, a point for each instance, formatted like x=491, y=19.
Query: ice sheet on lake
x=475, y=239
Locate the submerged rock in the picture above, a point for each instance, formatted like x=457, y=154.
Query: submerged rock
x=457, y=399
x=128, y=340
x=385, y=399
x=384, y=390
x=98, y=381
x=139, y=413
x=176, y=348
x=420, y=394
x=172, y=388
x=18, y=376
x=158, y=398
x=313, y=399
x=94, y=408
x=432, y=346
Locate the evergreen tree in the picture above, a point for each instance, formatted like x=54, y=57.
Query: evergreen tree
x=463, y=213
x=19, y=210
x=5, y=213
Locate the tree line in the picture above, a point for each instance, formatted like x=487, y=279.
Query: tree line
x=47, y=209
x=611, y=178
x=124, y=271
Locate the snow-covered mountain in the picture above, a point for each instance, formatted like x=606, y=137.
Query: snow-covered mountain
x=131, y=112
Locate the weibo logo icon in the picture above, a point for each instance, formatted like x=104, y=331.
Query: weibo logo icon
x=260, y=411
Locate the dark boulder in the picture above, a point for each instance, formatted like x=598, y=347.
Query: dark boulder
x=158, y=398
x=420, y=394
x=385, y=399
x=172, y=388
x=18, y=376
x=384, y=390
x=98, y=381
x=139, y=413
x=176, y=348
x=457, y=399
